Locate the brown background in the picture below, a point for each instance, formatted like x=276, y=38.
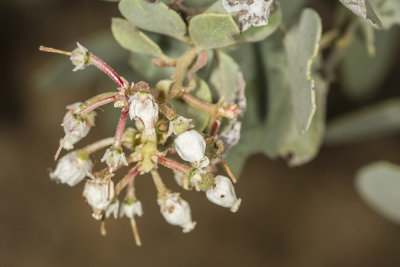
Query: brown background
x=307, y=216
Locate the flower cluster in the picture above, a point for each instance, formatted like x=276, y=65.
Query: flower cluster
x=158, y=136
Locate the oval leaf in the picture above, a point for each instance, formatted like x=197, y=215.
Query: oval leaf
x=379, y=185
x=388, y=11
x=213, y=30
x=302, y=44
x=129, y=37
x=371, y=122
x=154, y=17
x=362, y=75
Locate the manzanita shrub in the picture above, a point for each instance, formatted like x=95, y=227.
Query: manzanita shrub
x=189, y=112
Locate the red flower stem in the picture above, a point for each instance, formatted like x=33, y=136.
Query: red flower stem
x=120, y=128
x=126, y=180
x=215, y=127
x=172, y=164
x=101, y=65
x=97, y=104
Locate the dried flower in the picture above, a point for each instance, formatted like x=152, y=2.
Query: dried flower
x=98, y=194
x=223, y=193
x=176, y=211
x=231, y=135
x=76, y=126
x=72, y=168
x=191, y=147
x=254, y=12
x=80, y=57
x=114, y=157
x=131, y=208
x=144, y=107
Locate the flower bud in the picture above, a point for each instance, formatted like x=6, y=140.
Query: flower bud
x=76, y=126
x=113, y=208
x=144, y=107
x=99, y=195
x=223, y=193
x=179, y=125
x=191, y=147
x=114, y=157
x=72, y=168
x=131, y=208
x=176, y=211
x=80, y=57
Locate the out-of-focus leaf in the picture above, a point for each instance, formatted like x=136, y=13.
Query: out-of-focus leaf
x=256, y=34
x=213, y=30
x=224, y=77
x=379, y=185
x=364, y=10
x=57, y=72
x=361, y=74
x=131, y=38
x=154, y=17
x=371, y=122
x=302, y=43
x=281, y=135
x=200, y=118
x=388, y=11
x=291, y=9
x=217, y=8
x=197, y=3
x=143, y=65
x=275, y=133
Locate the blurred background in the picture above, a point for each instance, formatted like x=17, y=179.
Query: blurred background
x=305, y=216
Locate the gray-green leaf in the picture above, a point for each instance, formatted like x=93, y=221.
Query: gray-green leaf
x=388, y=11
x=154, y=17
x=131, y=38
x=269, y=123
x=224, y=77
x=362, y=75
x=371, y=122
x=379, y=185
x=302, y=43
x=213, y=30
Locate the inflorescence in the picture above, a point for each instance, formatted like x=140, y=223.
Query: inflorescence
x=157, y=136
